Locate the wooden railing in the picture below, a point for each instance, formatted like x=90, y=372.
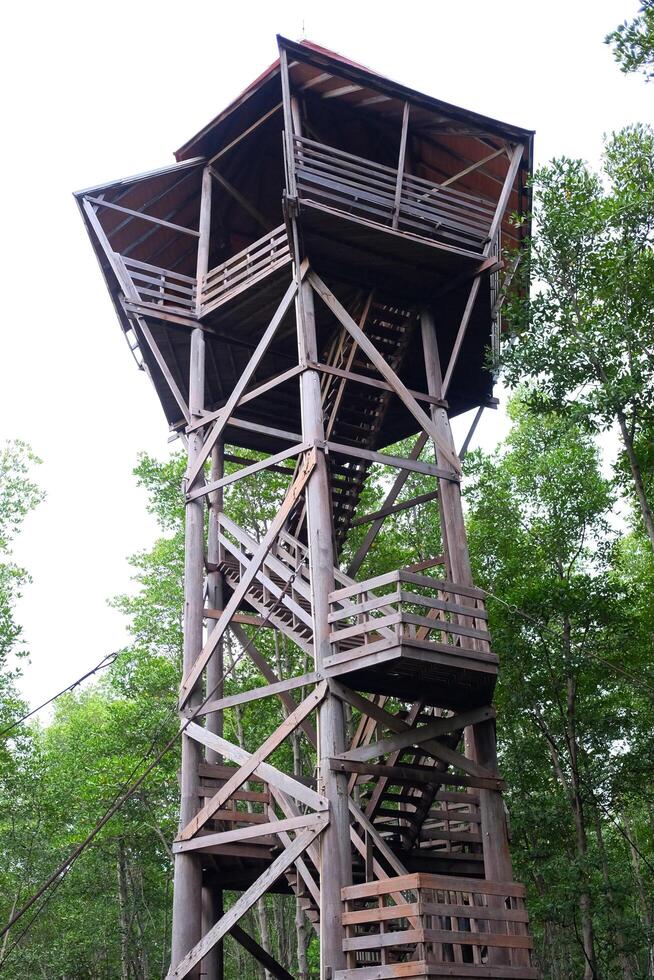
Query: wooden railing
x=410, y=608
x=240, y=271
x=159, y=287
x=342, y=181
x=410, y=925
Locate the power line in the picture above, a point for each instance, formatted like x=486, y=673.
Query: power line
x=105, y=662
x=127, y=791
x=546, y=629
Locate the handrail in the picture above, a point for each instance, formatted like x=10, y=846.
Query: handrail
x=239, y=271
x=341, y=181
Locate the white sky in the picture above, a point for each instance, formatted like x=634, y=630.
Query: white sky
x=95, y=91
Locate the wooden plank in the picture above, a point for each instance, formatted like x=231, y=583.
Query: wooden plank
x=246, y=901
x=399, y=462
x=428, y=775
x=290, y=684
x=400, y=164
x=387, y=511
x=163, y=367
x=261, y=389
x=380, y=363
x=260, y=829
x=240, y=199
x=242, y=383
x=417, y=736
x=420, y=970
x=251, y=946
x=363, y=379
x=246, y=132
x=247, y=577
x=145, y=217
x=253, y=761
x=256, y=467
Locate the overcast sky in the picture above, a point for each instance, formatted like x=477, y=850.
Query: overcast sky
x=94, y=91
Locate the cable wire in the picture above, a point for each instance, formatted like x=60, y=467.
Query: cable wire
x=127, y=791
x=105, y=662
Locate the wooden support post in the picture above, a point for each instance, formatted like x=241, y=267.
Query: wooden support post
x=204, y=241
x=187, y=894
x=213, y=964
x=400, y=165
x=480, y=737
x=335, y=854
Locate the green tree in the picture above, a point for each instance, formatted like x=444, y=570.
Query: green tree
x=586, y=334
x=633, y=42
x=561, y=622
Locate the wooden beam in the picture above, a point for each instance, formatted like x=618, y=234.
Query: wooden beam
x=163, y=367
x=419, y=736
x=460, y=336
x=416, y=774
x=252, y=763
x=391, y=497
x=144, y=217
x=505, y=194
x=390, y=509
x=240, y=199
x=380, y=363
x=471, y=431
x=246, y=132
x=115, y=261
x=400, y=165
x=246, y=833
x=204, y=243
x=251, y=946
x=278, y=687
x=400, y=462
x=261, y=389
x=261, y=663
x=242, y=383
x=371, y=382
x=255, y=467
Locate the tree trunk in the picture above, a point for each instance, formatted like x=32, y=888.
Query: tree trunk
x=615, y=913
x=585, y=902
x=123, y=899
x=637, y=476
x=647, y=918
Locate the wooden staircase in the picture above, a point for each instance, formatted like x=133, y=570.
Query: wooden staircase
x=354, y=413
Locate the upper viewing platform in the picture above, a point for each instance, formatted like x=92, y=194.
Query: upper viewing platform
x=393, y=191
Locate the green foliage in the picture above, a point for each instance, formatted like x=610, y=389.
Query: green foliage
x=585, y=336
x=633, y=42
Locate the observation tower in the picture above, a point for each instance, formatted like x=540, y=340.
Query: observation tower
x=317, y=279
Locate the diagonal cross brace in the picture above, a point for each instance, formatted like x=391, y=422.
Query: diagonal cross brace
x=252, y=761
x=241, y=384
x=384, y=369
x=247, y=900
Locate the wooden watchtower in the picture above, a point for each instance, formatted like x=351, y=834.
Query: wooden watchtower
x=318, y=277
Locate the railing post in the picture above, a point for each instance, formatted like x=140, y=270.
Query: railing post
x=400, y=166
x=202, y=266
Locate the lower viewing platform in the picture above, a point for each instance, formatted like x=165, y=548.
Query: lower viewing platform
x=431, y=636
x=423, y=925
